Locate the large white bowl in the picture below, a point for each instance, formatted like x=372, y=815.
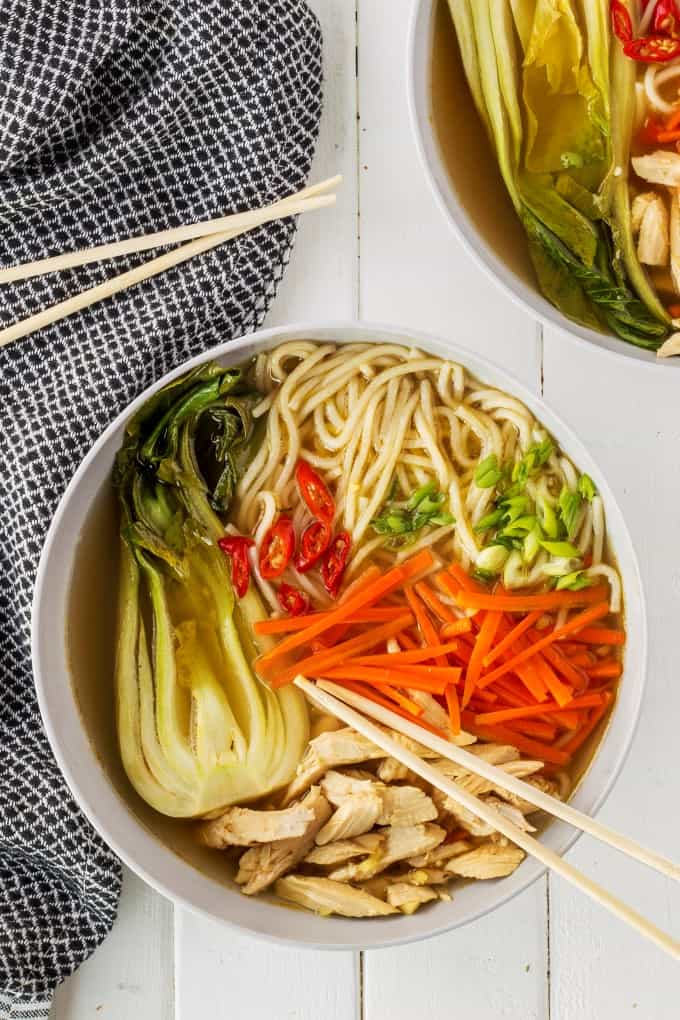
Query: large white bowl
x=74, y=684
x=464, y=176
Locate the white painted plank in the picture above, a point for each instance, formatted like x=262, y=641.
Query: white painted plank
x=628, y=416
x=220, y=973
x=130, y=975
x=229, y=976
x=414, y=272
x=493, y=969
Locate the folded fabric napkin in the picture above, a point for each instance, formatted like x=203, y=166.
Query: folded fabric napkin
x=117, y=117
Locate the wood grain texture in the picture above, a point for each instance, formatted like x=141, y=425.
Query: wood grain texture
x=130, y=977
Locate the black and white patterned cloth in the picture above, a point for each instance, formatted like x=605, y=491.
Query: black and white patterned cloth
x=117, y=117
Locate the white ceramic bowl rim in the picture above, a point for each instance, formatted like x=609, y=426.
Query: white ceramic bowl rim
x=156, y=863
x=528, y=298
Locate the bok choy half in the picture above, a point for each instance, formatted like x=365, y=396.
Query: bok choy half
x=558, y=102
x=197, y=729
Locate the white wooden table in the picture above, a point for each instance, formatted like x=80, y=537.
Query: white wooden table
x=385, y=254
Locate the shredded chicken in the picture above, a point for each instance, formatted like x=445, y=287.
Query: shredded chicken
x=326, y=897
x=327, y=751
x=262, y=865
x=391, y=770
x=401, y=843
x=428, y=876
x=487, y=861
x=675, y=240
x=344, y=850
x=408, y=897
x=399, y=805
x=357, y=814
x=440, y=854
x=245, y=827
x=660, y=167
x=653, y=245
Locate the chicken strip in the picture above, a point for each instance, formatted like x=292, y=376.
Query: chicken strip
x=487, y=861
x=409, y=897
x=327, y=897
x=328, y=750
x=440, y=854
x=400, y=843
x=245, y=827
x=405, y=805
x=344, y=849
x=262, y=865
x=355, y=815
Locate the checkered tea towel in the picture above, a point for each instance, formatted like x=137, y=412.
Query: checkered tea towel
x=117, y=117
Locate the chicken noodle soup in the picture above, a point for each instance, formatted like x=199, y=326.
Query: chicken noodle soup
x=374, y=516
x=581, y=104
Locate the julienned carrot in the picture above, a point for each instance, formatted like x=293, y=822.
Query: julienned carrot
x=363, y=598
x=366, y=577
x=512, y=692
x=582, y=660
x=434, y=603
x=582, y=735
x=580, y=620
x=391, y=700
x=449, y=630
x=453, y=707
x=563, y=665
x=413, y=656
x=407, y=642
x=561, y=692
x=311, y=665
x=527, y=603
x=427, y=628
x=508, y=641
x=485, y=637
x=400, y=699
x=549, y=708
x=608, y=670
x=466, y=582
x=568, y=718
x=290, y=624
x=600, y=636
x=393, y=677
x=505, y=735
x=534, y=728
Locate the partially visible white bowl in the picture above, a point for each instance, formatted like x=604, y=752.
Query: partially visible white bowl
x=74, y=684
x=463, y=174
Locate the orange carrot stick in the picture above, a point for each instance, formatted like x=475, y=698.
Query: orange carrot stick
x=385, y=677
x=449, y=630
x=434, y=603
x=366, y=597
x=561, y=692
x=505, y=735
x=549, y=708
x=311, y=665
x=453, y=707
x=527, y=603
x=608, y=670
x=580, y=620
x=427, y=629
x=466, y=582
x=487, y=632
x=534, y=728
x=401, y=658
x=407, y=642
x=508, y=641
x=600, y=636
x=582, y=735
x=562, y=665
x=290, y=624
x=388, y=699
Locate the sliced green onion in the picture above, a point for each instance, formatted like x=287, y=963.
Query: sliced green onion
x=416, y=498
x=565, y=550
x=570, y=503
x=492, y=559
x=488, y=472
x=586, y=487
x=490, y=521
x=574, y=581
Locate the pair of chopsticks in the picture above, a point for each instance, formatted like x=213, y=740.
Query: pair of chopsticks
x=199, y=238
x=337, y=700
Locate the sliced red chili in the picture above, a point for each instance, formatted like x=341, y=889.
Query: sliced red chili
x=314, y=491
x=654, y=49
x=236, y=548
x=335, y=562
x=666, y=19
x=292, y=600
x=277, y=548
x=313, y=544
x=622, y=23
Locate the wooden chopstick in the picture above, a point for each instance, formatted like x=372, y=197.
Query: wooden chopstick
x=540, y=799
x=291, y=207
x=337, y=706
x=174, y=235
